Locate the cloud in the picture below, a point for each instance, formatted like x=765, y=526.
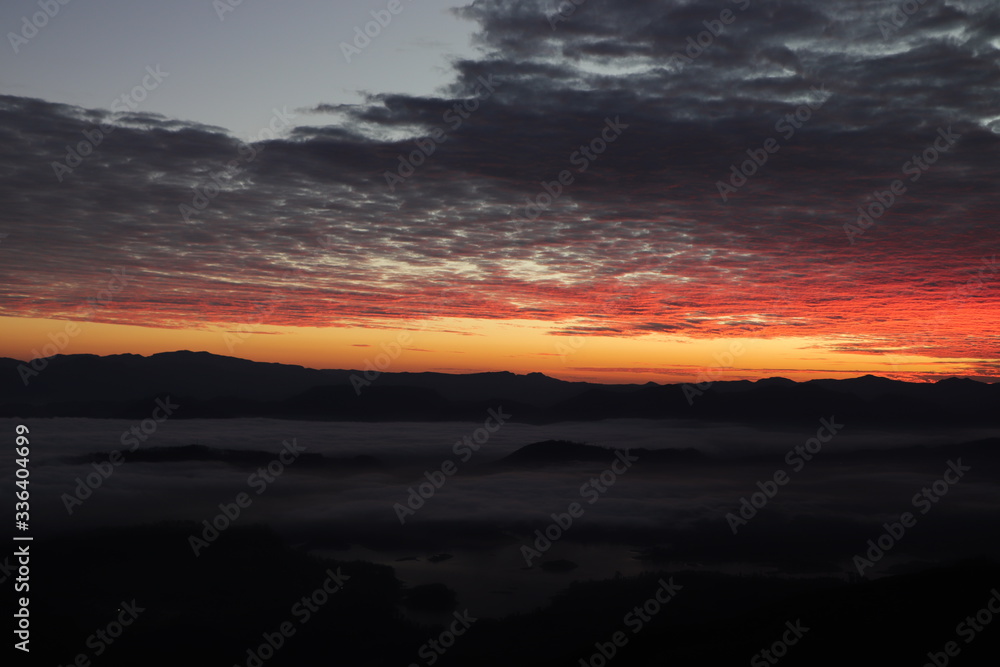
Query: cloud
x=644, y=220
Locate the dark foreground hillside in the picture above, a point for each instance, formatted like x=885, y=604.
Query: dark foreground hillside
x=221, y=607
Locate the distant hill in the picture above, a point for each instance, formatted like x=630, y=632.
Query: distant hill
x=208, y=385
x=204, y=376
x=560, y=452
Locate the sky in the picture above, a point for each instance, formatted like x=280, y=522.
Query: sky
x=612, y=191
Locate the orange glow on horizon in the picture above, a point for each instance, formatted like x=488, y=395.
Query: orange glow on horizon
x=454, y=345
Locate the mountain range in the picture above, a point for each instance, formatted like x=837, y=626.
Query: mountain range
x=212, y=386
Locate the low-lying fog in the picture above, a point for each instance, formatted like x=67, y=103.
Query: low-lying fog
x=655, y=514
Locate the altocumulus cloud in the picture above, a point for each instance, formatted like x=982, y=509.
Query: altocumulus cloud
x=644, y=219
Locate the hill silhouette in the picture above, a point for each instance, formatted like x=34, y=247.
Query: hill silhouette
x=208, y=385
x=561, y=452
